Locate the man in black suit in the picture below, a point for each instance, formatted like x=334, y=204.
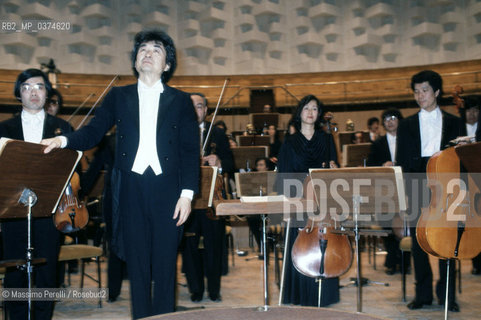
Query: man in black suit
x=209, y=262
x=33, y=124
x=383, y=153
x=155, y=171
x=419, y=137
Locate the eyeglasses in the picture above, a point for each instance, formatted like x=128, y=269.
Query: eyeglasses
x=390, y=118
x=31, y=86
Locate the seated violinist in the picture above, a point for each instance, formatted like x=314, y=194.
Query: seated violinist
x=217, y=153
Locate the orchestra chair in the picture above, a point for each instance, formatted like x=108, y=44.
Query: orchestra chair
x=83, y=251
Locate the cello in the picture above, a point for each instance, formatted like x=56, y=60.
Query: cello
x=450, y=228
x=318, y=251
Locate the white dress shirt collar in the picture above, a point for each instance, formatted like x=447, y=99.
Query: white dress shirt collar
x=158, y=86
x=434, y=115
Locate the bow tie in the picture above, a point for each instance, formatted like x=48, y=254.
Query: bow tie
x=32, y=118
x=430, y=116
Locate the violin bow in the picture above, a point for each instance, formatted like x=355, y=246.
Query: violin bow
x=79, y=107
x=96, y=102
x=213, y=117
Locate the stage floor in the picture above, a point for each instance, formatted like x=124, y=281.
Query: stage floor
x=243, y=287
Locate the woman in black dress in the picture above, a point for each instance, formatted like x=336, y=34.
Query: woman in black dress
x=309, y=147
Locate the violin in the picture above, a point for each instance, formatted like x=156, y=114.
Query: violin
x=450, y=227
x=71, y=215
x=318, y=252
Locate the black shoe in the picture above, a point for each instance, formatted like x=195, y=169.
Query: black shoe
x=112, y=299
x=215, y=297
x=452, y=306
x=196, y=297
x=390, y=271
x=413, y=305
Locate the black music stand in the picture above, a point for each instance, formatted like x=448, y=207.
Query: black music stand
x=362, y=199
x=28, y=178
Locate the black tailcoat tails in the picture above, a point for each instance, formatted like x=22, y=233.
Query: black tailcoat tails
x=143, y=231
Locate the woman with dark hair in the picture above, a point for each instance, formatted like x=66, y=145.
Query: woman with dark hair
x=309, y=147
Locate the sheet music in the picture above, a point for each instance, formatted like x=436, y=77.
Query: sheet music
x=253, y=199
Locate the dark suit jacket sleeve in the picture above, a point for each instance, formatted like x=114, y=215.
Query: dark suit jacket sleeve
x=91, y=134
x=189, y=147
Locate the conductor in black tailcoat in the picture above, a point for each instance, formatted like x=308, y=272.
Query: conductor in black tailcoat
x=208, y=263
x=155, y=171
x=33, y=124
x=419, y=137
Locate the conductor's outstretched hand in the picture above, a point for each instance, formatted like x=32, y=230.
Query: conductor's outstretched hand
x=52, y=143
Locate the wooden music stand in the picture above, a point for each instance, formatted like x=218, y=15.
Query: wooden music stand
x=242, y=155
x=203, y=199
x=372, y=184
x=253, y=140
x=355, y=155
x=29, y=177
x=259, y=120
x=345, y=137
x=255, y=183
x=24, y=165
